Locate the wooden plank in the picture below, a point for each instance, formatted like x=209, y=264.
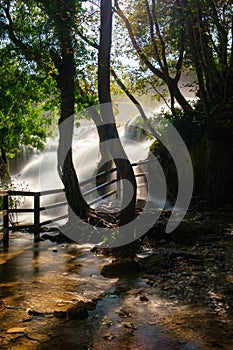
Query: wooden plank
x=45, y=193
x=18, y=210
x=93, y=178
x=21, y=227
x=51, y=206
x=99, y=187
x=102, y=197
x=53, y=220
x=3, y=193
x=23, y=193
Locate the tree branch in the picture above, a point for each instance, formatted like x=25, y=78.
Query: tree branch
x=135, y=102
x=135, y=44
x=155, y=47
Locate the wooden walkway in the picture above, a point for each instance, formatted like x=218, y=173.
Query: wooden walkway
x=37, y=208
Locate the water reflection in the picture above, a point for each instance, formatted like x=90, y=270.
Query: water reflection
x=36, y=257
x=47, y=277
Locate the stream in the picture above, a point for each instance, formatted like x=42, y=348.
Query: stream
x=42, y=279
x=186, y=305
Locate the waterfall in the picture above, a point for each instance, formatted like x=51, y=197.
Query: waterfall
x=40, y=172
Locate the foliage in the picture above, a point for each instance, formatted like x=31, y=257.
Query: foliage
x=209, y=45
x=13, y=201
x=25, y=108
x=190, y=126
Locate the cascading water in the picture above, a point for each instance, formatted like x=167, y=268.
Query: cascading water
x=41, y=174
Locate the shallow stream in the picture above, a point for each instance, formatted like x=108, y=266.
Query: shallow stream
x=45, y=277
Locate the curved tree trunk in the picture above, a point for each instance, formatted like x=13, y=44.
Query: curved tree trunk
x=66, y=69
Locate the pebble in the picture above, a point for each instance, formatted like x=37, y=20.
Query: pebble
x=16, y=330
x=144, y=298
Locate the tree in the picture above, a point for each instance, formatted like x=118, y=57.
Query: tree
x=149, y=30
x=47, y=42
x=123, y=165
x=25, y=112
x=168, y=37
x=61, y=54
x=209, y=27
x=62, y=17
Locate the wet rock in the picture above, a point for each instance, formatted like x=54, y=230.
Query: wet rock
x=187, y=233
x=60, y=314
x=16, y=330
x=32, y=312
x=155, y=263
x=121, y=289
x=42, y=338
x=28, y=319
x=135, y=291
x=144, y=298
x=109, y=336
x=59, y=238
x=129, y=325
x=77, y=311
x=118, y=268
x=124, y=313
x=91, y=305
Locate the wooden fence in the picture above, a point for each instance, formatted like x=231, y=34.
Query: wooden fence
x=37, y=208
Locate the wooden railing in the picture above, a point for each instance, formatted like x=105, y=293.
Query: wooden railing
x=37, y=208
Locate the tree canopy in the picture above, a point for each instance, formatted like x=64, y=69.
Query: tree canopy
x=56, y=40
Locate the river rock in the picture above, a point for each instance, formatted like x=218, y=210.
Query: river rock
x=155, y=263
x=118, y=268
x=144, y=298
x=77, y=311
x=16, y=330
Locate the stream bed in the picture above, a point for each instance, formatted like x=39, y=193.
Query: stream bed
x=40, y=281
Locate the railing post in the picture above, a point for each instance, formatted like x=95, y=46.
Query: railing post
x=6, y=219
x=36, y=217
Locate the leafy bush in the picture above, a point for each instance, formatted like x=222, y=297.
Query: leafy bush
x=191, y=126
x=14, y=201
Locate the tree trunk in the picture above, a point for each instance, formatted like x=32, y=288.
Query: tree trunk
x=123, y=165
x=175, y=91
x=4, y=168
x=66, y=70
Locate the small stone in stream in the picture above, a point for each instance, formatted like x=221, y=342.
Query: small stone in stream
x=108, y=324
x=91, y=305
x=119, y=268
x=42, y=338
x=121, y=289
x=27, y=319
x=34, y=312
x=154, y=263
x=59, y=314
x=16, y=330
x=135, y=291
x=109, y=336
x=124, y=313
x=143, y=298
x=77, y=311
x=129, y=325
